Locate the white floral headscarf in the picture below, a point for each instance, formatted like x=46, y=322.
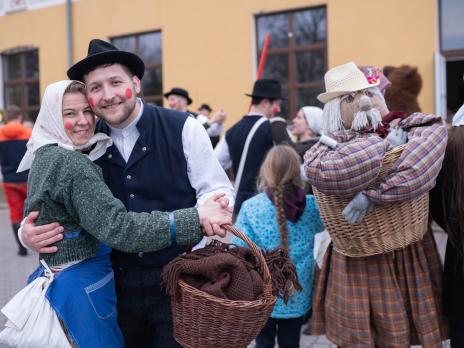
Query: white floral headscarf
x=49, y=128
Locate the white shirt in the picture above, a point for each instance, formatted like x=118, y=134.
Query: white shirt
x=215, y=129
x=125, y=138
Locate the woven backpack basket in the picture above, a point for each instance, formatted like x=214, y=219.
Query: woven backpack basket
x=385, y=229
x=205, y=321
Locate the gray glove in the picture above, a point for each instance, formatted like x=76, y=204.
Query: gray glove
x=397, y=137
x=359, y=206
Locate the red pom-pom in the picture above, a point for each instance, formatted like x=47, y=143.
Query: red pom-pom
x=68, y=125
x=128, y=93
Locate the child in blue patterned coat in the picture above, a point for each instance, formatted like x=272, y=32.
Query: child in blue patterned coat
x=283, y=215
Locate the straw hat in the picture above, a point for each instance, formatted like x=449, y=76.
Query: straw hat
x=343, y=79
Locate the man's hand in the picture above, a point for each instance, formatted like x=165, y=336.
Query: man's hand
x=215, y=212
x=359, y=206
x=38, y=238
x=397, y=137
x=219, y=117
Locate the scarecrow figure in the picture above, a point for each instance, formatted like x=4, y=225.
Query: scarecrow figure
x=391, y=299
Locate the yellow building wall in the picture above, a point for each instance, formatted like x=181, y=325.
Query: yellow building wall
x=44, y=29
x=209, y=45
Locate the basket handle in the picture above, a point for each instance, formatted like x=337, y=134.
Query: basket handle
x=267, y=286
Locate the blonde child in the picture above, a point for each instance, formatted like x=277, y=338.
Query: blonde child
x=283, y=215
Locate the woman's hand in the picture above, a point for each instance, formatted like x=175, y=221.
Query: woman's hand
x=215, y=212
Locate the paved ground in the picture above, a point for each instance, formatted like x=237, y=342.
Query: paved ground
x=14, y=270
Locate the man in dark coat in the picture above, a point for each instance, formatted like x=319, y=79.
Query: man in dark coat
x=13, y=139
x=252, y=134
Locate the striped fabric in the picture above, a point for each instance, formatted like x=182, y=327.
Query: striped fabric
x=391, y=300
x=350, y=168
x=358, y=157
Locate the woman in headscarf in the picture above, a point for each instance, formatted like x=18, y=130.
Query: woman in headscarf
x=306, y=126
x=64, y=185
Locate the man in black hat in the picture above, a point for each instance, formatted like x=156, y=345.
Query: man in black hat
x=157, y=162
x=179, y=100
x=205, y=109
x=245, y=144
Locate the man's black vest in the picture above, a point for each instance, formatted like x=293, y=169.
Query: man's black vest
x=259, y=146
x=154, y=178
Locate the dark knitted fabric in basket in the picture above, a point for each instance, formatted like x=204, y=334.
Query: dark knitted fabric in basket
x=223, y=275
x=231, y=273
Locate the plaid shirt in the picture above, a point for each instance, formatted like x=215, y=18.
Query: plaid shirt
x=357, y=160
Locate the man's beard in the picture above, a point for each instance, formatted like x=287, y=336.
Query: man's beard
x=364, y=119
x=126, y=113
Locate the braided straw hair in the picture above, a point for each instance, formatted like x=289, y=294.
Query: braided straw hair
x=279, y=172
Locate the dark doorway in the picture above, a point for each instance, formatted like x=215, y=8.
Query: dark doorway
x=454, y=86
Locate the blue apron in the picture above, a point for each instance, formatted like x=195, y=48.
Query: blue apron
x=84, y=298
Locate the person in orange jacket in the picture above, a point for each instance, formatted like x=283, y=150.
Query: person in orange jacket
x=13, y=139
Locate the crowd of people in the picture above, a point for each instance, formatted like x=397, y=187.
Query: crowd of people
x=109, y=200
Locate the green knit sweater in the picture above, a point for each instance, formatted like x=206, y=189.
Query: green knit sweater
x=66, y=187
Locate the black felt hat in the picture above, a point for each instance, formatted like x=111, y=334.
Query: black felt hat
x=101, y=52
x=179, y=91
x=205, y=106
x=266, y=88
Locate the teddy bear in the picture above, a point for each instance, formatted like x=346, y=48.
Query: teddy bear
x=406, y=84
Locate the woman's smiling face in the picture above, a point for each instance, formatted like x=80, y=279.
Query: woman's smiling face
x=78, y=118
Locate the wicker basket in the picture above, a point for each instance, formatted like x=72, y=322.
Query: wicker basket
x=202, y=320
x=386, y=229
